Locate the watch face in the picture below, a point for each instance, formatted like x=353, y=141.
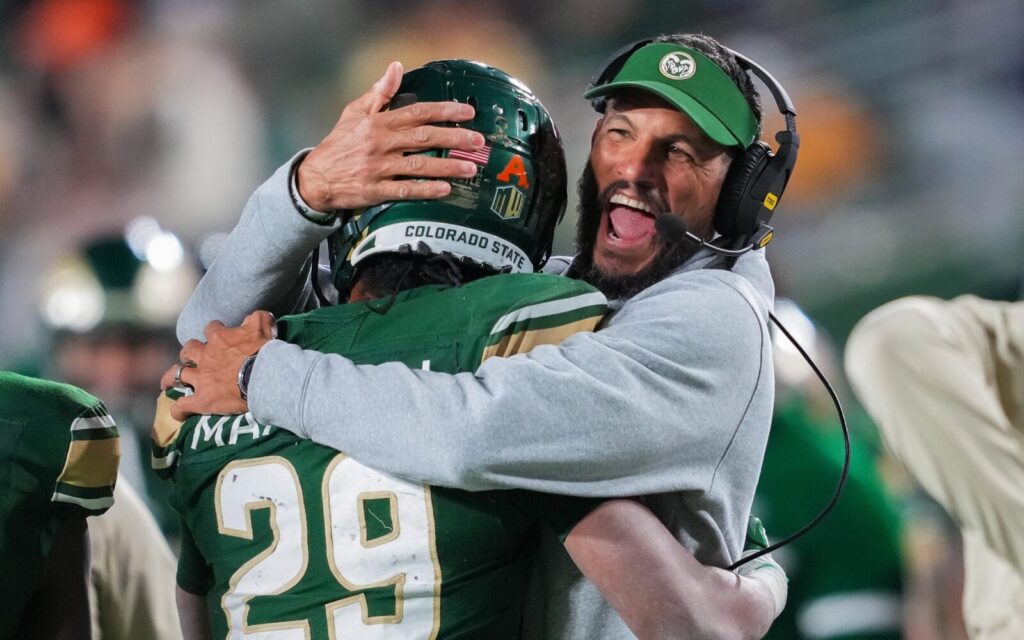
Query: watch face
x=244, y=372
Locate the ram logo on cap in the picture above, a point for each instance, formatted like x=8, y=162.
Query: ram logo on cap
x=677, y=65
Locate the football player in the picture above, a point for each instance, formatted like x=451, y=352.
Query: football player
x=109, y=305
x=59, y=452
x=289, y=539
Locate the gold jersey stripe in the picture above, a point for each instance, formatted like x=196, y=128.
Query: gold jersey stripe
x=91, y=463
x=550, y=308
x=524, y=341
x=165, y=428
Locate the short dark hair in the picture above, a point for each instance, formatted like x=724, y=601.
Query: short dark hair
x=724, y=58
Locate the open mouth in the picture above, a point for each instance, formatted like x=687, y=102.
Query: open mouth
x=630, y=220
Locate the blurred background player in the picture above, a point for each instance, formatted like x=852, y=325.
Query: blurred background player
x=58, y=463
x=112, y=112
x=845, y=575
x=110, y=309
x=100, y=123
x=944, y=380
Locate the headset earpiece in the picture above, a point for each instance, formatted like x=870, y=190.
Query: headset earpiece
x=755, y=181
x=736, y=214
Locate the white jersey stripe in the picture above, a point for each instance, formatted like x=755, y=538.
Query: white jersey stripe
x=550, y=308
x=91, y=504
x=165, y=462
x=92, y=422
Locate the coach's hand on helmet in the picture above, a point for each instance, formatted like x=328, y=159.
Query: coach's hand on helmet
x=360, y=161
x=212, y=368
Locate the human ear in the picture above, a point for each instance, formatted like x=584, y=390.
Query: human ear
x=597, y=127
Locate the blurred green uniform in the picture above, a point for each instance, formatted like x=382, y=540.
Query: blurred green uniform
x=58, y=459
x=845, y=576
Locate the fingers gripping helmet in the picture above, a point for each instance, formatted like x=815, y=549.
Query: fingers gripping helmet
x=504, y=217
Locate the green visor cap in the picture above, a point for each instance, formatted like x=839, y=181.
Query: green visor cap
x=694, y=84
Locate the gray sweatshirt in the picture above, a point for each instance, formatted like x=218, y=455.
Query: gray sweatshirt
x=671, y=400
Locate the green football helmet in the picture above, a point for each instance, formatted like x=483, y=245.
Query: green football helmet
x=503, y=218
x=120, y=284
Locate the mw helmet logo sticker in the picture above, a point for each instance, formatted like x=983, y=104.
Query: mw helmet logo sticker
x=508, y=202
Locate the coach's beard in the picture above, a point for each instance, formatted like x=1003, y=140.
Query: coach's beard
x=670, y=255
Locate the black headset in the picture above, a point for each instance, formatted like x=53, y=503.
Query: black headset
x=757, y=177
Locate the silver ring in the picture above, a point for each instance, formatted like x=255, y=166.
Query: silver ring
x=178, y=382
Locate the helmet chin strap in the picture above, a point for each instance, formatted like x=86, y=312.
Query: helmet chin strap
x=342, y=271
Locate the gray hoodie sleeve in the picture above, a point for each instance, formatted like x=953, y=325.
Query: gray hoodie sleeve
x=264, y=263
x=653, y=402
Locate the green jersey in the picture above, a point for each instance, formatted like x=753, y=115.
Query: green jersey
x=58, y=459
x=291, y=539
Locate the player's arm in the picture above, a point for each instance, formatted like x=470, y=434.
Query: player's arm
x=195, y=623
x=659, y=588
x=60, y=609
x=194, y=579
x=358, y=164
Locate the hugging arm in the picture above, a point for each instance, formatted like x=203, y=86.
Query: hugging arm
x=656, y=585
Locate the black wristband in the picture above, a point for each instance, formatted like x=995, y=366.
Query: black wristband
x=319, y=217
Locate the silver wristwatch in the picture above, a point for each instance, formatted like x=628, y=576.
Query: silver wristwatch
x=244, y=373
